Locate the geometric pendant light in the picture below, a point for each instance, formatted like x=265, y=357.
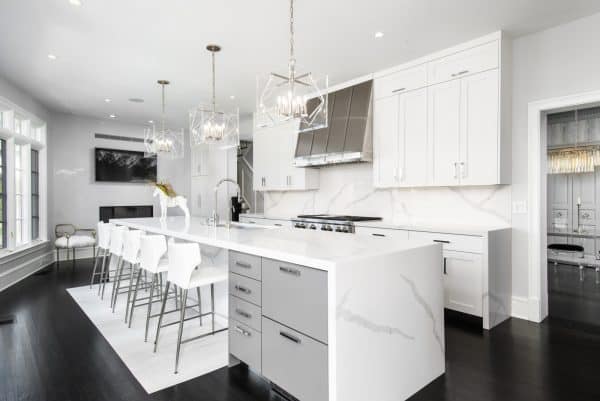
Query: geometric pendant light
x=212, y=126
x=163, y=141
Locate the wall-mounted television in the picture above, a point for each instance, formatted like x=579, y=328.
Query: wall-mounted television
x=114, y=165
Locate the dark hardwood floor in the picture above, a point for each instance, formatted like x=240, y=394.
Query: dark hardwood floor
x=53, y=352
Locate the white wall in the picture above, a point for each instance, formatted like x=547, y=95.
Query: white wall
x=76, y=196
x=563, y=60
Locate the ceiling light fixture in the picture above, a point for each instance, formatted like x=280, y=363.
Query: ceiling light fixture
x=208, y=125
x=293, y=96
x=164, y=142
x=113, y=116
x=150, y=121
x=52, y=56
x=379, y=35
x=232, y=97
x=107, y=100
x=75, y=2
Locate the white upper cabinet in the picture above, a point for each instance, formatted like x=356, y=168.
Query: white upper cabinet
x=444, y=133
x=463, y=63
x=273, y=160
x=444, y=120
x=479, y=127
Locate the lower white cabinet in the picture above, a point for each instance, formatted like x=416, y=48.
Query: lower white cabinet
x=463, y=282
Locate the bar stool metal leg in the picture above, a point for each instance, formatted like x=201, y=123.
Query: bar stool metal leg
x=160, y=317
x=150, y=301
x=94, y=270
x=117, y=283
x=199, y=304
x=107, y=273
x=212, y=306
x=181, y=321
x=137, y=284
x=102, y=278
x=131, y=275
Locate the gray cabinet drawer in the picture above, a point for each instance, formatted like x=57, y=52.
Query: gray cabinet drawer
x=245, y=312
x=295, y=362
x=246, y=265
x=296, y=296
x=245, y=288
x=245, y=344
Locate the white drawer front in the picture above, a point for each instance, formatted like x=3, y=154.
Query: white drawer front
x=245, y=344
x=245, y=288
x=245, y=312
x=245, y=265
x=463, y=280
x=296, y=296
x=295, y=362
x=451, y=242
x=400, y=82
x=472, y=61
x=382, y=233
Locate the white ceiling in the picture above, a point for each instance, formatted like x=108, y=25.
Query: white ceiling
x=119, y=48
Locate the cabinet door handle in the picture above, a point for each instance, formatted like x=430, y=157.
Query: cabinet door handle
x=398, y=90
x=244, y=265
x=441, y=241
x=455, y=170
x=243, y=289
x=445, y=266
x=278, y=225
x=289, y=270
x=377, y=235
x=245, y=314
x=290, y=337
x=463, y=72
x=463, y=169
x=242, y=331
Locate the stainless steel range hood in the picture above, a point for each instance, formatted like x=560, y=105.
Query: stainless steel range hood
x=348, y=136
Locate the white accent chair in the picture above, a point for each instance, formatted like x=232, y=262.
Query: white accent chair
x=103, y=232
x=71, y=238
x=185, y=271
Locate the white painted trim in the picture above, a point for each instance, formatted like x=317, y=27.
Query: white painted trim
x=520, y=307
x=29, y=267
x=537, y=272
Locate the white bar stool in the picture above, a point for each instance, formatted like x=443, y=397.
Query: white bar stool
x=153, y=249
x=103, y=250
x=115, y=249
x=131, y=253
x=186, y=273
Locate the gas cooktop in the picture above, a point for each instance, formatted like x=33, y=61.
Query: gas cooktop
x=330, y=222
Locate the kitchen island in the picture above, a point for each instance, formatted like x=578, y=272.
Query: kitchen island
x=325, y=316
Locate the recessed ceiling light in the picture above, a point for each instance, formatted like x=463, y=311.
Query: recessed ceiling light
x=136, y=100
x=75, y=2
x=52, y=56
x=108, y=100
x=232, y=97
x=150, y=121
x=379, y=35
x=113, y=116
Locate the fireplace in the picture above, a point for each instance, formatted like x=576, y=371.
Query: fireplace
x=124, y=212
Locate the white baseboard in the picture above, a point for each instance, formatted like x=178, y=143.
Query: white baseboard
x=25, y=269
x=520, y=307
x=83, y=253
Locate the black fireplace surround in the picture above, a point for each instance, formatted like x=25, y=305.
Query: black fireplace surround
x=125, y=212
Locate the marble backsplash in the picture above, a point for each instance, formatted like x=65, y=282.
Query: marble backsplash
x=348, y=189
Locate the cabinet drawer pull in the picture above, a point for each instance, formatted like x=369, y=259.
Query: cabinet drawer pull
x=242, y=331
x=289, y=337
x=289, y=270
x=445, y=266
x=244, y=265
x=441, y=241
x=278, y=225
x=377, y=235
x=244, y=314
x=398, y=90
x=243, y=289
x=456, y=74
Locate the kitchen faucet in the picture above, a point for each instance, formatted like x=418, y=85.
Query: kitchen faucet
x=214, y=220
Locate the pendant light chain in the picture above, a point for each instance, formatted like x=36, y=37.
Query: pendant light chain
x=163, y=107
x=214, y=96
x=292, y=63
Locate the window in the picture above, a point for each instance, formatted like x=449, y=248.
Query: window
x=35, y=194
x=2, y=193
x=19, y=195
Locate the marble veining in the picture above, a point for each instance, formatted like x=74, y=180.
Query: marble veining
x=346, y=314
x=427, y=308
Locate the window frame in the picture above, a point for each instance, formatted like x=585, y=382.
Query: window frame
x=3, y=206
x=34, y=173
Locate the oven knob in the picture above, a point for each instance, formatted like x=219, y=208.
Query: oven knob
x=345, y=230
x=329, y=228
x=323, y=227
x=338, y=229
x=313, y=227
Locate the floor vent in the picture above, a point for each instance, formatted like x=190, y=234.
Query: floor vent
x=10, y=319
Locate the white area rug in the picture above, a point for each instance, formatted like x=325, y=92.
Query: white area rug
x=154, y=371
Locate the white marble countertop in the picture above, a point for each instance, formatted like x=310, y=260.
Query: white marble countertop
x=320, y=250
x=450, y=228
